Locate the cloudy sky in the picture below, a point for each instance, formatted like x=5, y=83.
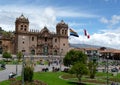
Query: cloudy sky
x=101, y=18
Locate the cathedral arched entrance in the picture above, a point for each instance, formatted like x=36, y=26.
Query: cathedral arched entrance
x=55, y=52
x=1, y=49
x=33, y=52
x=45, y=50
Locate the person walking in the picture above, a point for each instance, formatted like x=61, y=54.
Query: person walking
x=112, y=83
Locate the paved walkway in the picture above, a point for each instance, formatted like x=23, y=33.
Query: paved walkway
x=9, y=68
x=12, y=68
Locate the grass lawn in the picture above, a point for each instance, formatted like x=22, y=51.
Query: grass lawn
x=101, y=78
x=51, y=78
x=7, y=82
x=1, y=69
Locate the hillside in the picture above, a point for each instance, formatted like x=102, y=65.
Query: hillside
x=86, y=46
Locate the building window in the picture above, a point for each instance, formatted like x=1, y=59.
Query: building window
x=62, y=31
x=32, y=38
x=63, y=44
x=65, y=31
x=21, y=25
x=33, y=52
x=88, y=51
x=25, y=29
x=25, y=26
x=23, y=42
x=21, y=28
x=24, y=51
x=55, y=40
x=0, y=42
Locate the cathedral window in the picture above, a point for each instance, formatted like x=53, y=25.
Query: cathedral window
x=21, y=25
x=65, y=31
x=62, y=31
x=25, y=26
x=63, y=44
x=0, y=42
x=55, y=40
x=32, y=38
x=25, y=29
x=21, y=28
x=23, y=50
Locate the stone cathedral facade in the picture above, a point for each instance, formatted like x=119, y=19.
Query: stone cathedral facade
x=41, y=42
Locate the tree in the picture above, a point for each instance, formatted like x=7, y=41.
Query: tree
x=19, y=55
x=79, y=69
x=77, y=61
x=92, y=65
x=7, y=55
x=74, y=56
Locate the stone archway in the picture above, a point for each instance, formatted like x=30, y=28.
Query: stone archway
x=33, y=52
x=45, y=50
x=1, y=50
x=55, y=52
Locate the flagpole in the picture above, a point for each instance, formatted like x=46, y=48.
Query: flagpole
x=87, y=36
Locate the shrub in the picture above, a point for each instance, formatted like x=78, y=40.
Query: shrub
x=2, y=62
x=6, y=55
x=28, y=73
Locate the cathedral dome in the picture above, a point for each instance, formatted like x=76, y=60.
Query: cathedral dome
x=44, y=29
x=62, y=24
x=22, y=19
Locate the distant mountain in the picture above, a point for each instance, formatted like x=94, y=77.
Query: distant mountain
x=86, y=46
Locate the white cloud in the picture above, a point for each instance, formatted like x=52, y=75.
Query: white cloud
x=115, y=19
x=75, y=14
x=104, y=20
x=107, y=39
x=38, y=16
x=110, y=36
x=76, y=24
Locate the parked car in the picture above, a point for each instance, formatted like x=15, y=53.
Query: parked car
x=114, y=70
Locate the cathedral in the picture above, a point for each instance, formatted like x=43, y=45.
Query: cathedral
x=41, y=42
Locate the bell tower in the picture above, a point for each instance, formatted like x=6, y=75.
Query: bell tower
x=21, y=24
x=62, y=28
x=62, y=37
x=21, y=30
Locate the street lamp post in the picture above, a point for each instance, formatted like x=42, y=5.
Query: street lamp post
x=23, y=71
x=16, y=65
x=61, y=60
x=23, y=64
x=117, y=74
x=31, y=57
x=52, y=57
x=107, y=72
